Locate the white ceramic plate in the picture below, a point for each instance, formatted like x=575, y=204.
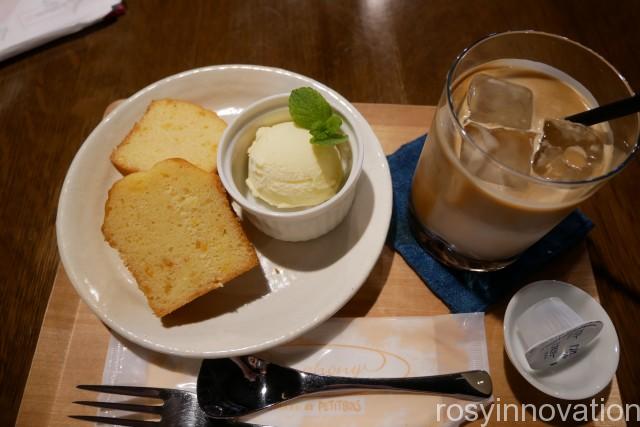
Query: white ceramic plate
x=589, y=372
x=299, y=285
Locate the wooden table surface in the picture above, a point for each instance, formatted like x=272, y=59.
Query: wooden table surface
x=72, y=345
x=391, y=51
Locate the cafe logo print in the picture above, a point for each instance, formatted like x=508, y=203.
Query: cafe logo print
x=348, y=361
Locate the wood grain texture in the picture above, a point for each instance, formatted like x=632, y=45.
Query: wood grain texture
x=73, y=343
x=389, y=51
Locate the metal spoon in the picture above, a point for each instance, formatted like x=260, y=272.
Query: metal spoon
x=230, y=388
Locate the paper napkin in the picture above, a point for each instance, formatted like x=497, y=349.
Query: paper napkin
x=25, y=24
x=359, y=347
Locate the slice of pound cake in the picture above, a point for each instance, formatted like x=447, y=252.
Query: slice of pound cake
x=176, y=232
x=170, y=129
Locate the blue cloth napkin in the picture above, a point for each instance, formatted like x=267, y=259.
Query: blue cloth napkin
x=463, y=291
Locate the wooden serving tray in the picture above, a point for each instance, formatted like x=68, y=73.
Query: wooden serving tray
x=72, y=345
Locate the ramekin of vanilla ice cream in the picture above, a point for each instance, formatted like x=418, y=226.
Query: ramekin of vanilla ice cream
x=287, y=187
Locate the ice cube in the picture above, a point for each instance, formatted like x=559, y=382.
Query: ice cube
x=568, y=151
x=511, y=147
x=499, y=102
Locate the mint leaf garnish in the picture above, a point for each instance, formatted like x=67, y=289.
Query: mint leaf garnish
x=307, y=106
x=331, y=140
x=311, y=111
x=333, y=123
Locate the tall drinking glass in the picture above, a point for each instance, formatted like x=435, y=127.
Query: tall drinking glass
x=497, y=172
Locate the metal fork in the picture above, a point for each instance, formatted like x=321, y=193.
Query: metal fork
x=179, y=408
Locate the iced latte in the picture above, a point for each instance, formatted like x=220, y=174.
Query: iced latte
x=501, y=167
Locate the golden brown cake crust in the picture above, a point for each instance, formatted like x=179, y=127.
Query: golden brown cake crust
x=126, y=164
x=158, y=274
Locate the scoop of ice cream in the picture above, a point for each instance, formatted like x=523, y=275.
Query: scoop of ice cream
x=287, y=171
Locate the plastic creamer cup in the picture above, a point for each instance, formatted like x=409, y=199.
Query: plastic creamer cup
x=551, y=333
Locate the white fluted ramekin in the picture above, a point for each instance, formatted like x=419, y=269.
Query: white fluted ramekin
x=292, y=225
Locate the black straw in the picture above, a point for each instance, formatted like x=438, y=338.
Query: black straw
x=607, y=112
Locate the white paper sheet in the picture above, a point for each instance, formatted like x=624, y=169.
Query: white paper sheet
x=361, y=347
x=25, y=24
